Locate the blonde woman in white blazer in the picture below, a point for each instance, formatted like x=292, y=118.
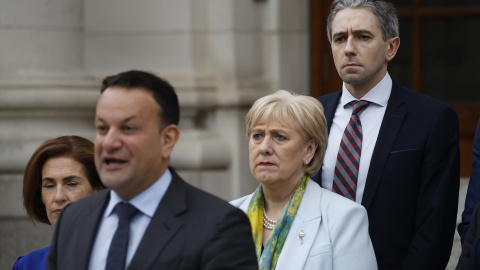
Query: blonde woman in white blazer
x=296, y=224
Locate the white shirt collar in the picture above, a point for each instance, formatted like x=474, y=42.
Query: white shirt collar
x=147, y=201
x=379, y=94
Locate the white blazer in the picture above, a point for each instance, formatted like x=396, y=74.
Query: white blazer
x=335, y=233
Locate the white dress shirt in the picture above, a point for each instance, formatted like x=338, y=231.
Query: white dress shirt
x=371, y=119
x=146, y=202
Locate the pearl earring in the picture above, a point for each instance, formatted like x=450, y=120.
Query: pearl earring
x=307, y=161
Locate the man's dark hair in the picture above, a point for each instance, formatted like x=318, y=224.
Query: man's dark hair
x=162, y=91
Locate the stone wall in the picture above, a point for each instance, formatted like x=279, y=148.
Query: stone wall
x=220, y=55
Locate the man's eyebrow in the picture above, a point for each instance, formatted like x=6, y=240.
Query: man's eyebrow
x=355, y=32
x=129, y=118
x=362, y=31
x=338, y=34
x=124, y=120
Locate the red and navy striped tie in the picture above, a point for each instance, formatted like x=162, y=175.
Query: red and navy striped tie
x=348, y=159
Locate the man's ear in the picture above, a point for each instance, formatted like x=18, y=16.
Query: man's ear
x=393, y=45
x=169, y=137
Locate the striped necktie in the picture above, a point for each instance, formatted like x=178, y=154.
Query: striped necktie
x=348, y=159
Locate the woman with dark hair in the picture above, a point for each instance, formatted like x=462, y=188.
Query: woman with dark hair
x=60, y=171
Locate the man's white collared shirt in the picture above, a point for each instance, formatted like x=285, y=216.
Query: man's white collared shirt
x=371, y=119
x=146, y=202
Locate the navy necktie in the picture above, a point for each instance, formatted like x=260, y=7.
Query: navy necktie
x=118, y=248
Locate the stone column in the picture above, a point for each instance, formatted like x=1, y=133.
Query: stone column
x=220, y=55
x=215, y=68
x=44, y=93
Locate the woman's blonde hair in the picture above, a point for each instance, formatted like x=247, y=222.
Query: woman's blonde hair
x=304, y=113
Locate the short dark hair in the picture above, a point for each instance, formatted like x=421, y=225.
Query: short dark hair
x=75, y=147
x=162, y=91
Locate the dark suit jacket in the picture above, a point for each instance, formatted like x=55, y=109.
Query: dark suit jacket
x=190, y=229
x=411, y=191
x=473, y=192
x=470, y=258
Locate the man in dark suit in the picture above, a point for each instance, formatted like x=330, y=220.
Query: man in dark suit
x=405, y=172
x=149, y=218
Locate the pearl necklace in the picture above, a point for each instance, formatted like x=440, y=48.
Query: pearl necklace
x=267, y=222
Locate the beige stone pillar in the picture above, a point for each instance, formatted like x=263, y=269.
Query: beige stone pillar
x=44, y=93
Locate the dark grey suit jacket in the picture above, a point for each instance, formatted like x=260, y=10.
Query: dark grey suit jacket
x=411, y=191
x=190, y=229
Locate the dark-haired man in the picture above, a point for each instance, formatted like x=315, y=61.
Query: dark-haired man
x=149, y=218
x=391, y=149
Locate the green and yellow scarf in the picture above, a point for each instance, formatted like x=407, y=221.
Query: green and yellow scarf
x=267, y=260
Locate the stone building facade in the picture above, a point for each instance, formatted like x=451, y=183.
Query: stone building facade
x=220, y=55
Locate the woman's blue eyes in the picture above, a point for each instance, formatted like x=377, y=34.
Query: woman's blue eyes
x=277, y=137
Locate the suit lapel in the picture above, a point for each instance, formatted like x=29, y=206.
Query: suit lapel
x=87, y=230
x=244, y=205
x=329, y=103
x=163, y=226
x=308, y=220
x=392, y=121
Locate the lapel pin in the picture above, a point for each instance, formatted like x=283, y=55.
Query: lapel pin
x=301, y=234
